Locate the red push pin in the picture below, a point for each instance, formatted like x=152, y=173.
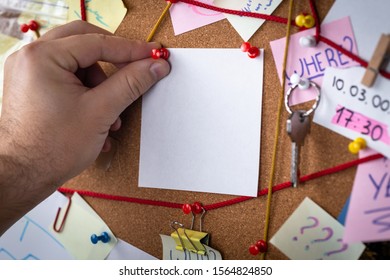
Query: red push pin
x=32, y=25
x=160, y=53
x=254, y=250
x=251, y=51
x=262, y=245
x=197, y=208
x=259, y=247
x=187, y=208
x=245, y=46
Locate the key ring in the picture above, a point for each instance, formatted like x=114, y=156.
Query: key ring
x=315, y=105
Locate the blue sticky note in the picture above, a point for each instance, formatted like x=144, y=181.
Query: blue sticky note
x=343, y=213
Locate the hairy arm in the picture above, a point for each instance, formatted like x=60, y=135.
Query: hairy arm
x=59, y=106
x=21, y=186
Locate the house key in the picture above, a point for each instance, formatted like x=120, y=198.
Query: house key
x=298, y=126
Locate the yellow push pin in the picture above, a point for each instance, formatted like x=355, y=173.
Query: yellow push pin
x=357, y=145
x=305, y=21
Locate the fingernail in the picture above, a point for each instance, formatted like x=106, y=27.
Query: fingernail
x=154, y=45
x=160, y=69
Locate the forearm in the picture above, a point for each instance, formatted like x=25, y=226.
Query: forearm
x=21, y=187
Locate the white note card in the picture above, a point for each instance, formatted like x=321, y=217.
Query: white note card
x=247, y=26
x=353, y=110
x=200, y=128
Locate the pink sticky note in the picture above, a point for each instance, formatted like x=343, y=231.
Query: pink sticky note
x=311, y=62
x=360, y=123
x=368, y=217
x=186, y=17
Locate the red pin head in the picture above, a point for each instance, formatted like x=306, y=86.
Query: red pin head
x=245, y=46
x=253, y=52
x=156, y=53
x=254, y=250
x=160, y=53
x=164, y=53
x=197, y=208
x=187, y=208
x=33, y=25
x=262, y=245
x=24, y=28
x=259, y=247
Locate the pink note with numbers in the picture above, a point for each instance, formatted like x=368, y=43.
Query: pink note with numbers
x=368, y=217
x=353, y=110
x=360, y=123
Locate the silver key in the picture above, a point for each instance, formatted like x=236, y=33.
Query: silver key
x=298, y=126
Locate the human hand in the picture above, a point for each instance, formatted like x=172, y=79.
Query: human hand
x=58, y=104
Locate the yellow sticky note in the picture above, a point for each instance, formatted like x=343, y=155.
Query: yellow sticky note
x=107, y=14
x=81, y=222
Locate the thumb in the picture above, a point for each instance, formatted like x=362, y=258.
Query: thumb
x=121, y=89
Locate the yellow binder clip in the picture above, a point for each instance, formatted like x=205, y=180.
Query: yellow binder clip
x=189, y=239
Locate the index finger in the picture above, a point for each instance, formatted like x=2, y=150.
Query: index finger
x=81, y=51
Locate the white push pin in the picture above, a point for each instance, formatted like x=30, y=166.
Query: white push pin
x=307, y=41
x=303, y=83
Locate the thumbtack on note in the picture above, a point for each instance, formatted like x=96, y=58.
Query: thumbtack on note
x=82, y=222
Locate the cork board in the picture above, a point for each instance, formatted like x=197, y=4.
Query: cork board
x=234, y=228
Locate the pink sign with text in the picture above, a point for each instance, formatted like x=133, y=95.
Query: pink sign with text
x=368, y=217
x=311, y=62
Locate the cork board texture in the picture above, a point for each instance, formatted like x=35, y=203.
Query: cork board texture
x=234, y=228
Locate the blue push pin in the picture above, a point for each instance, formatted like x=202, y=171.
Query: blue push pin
x=105, y=238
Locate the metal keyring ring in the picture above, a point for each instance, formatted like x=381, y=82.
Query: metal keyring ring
x=315, y=105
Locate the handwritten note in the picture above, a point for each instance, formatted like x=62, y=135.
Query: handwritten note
x=30, y=239
x=200, y=128
x=310, y=233
x=353, y=110
x=246, y=26
x=311, y=63
x=186, y=17
x=367, y=32
x=170, y=252
x=107, y=14
x=81, y=222
x=368, y=217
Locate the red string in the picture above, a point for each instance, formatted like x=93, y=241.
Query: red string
x=229, y=202
x=316, y=20
x=278, y=187
x=83, y=10
x=238, y=13
x=318, y=36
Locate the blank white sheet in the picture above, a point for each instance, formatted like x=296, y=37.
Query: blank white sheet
x=201, y=124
